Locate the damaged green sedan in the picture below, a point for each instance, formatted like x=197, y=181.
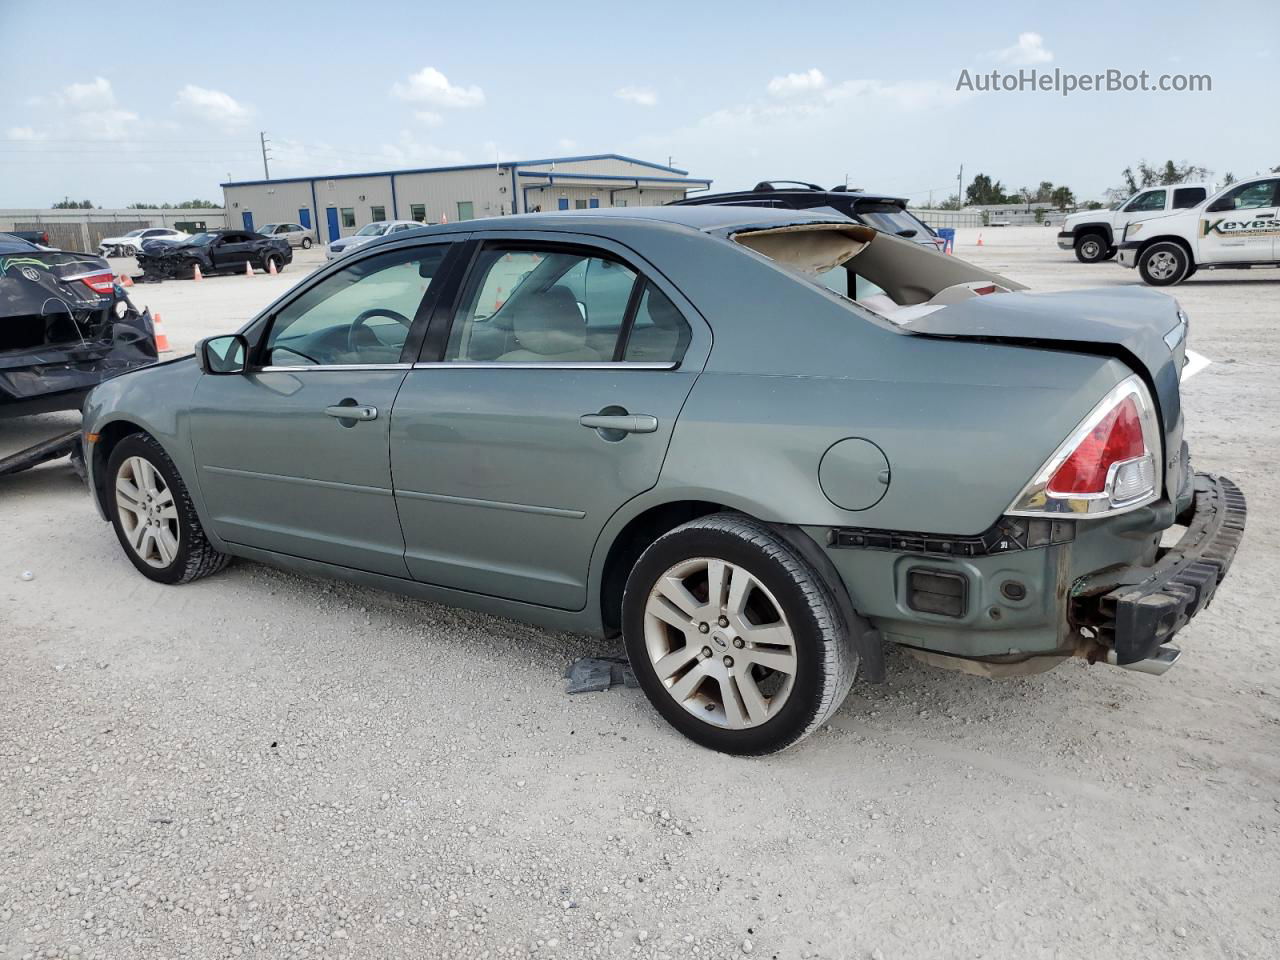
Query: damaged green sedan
x=757, y=444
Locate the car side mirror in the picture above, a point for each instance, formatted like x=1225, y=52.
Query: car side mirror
x=223, y=355
x=1219, y=205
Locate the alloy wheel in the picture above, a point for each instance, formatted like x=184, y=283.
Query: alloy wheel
x=719, y=643
x=148, y=514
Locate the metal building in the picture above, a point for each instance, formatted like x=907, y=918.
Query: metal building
x=343, y=203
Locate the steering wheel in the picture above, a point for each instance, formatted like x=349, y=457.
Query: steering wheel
x=359, y=324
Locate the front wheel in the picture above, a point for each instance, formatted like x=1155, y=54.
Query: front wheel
x=270, y=259
x=1091, y=248
x=1164, y=264
x=153, y=515
x=734, y=638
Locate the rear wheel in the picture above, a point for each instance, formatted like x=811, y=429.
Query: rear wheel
x=273, y=258
x=1091, y=247
x=153, y=516
x=1164, y=264
x=306, y=243
x=734, y=638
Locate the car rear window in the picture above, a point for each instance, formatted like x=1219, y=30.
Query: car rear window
x=891, y=218
x=1185, y=197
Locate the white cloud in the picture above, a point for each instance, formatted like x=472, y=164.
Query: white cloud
x=642, y=96
x=566, y=144
x=24, y=133
x=792, y=83
x=113, y=124
x=1028, y=51
x=431, y=86
x=904, y=95
x=428, y=118
x=94, y=95
x=213, y=106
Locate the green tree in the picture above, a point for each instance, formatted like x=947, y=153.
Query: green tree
x=984, y=191
x=1229, y=178
x=1145, y=175
x=1062, y=198
x=1045, y=192
x=68, y=204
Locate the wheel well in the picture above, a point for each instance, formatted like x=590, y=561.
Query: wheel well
x=632, y=541
x=1101, y=229
x=108, y=437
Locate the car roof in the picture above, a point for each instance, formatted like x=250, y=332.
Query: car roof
x=778, y=192
x=718, y=220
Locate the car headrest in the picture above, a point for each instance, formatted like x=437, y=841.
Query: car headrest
x=550, y=323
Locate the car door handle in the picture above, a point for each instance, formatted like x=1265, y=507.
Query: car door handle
x=352, y=412
x=628, y=423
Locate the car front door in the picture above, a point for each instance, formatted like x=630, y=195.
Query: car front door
x=1241, y=225
x=292, y=456
x=547, y=405
x=230, y=251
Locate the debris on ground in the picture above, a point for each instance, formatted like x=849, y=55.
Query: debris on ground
x=593, y=674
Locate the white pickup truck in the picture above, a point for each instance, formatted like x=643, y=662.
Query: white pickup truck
x=1094, y=234
x=1236, y=228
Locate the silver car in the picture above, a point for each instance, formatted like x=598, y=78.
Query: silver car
x=295, y=233
x=370, y=231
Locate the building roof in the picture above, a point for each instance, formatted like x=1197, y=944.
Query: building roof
x=505, y=164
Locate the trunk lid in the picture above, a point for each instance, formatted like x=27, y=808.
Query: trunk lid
x=1143, y=328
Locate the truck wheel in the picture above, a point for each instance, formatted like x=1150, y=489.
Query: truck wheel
x=734, y=638
x=1091, y=247
x=153, y=515
x=1164, y=264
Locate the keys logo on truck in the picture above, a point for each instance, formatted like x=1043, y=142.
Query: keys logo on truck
x=1240, y=228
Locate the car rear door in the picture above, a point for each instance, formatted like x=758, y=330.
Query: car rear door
x=292, y=456
x=544, y=400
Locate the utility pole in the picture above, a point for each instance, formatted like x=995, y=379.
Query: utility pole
x=960, y=180
x=266, y=173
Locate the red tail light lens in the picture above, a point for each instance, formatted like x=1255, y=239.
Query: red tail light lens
x=1117, y=437
x=102, y=283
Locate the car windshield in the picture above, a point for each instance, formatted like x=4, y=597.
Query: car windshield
x=267, y=228
x=891, y=218
x=203, y=239
x=135, y=233
x=372, y=230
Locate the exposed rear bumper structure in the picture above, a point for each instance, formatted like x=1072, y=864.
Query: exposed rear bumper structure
x=1136, y=610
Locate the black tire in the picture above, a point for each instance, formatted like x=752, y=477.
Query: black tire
x=1091, y=248
x=1164, y=263
x=1110, y=254
x=271, y=258
x=306, y=243
x=195, y=556
x=825, y=659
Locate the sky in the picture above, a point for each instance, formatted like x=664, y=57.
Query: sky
x=164, y=102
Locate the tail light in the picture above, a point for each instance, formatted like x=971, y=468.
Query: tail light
x=1108, y=464
x=101, y=283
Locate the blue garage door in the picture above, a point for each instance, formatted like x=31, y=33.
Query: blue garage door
x=304, y=217
x=331, y=214
x=247, y=217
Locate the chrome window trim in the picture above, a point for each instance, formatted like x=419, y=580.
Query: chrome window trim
x=334, y=366
x=541, y=365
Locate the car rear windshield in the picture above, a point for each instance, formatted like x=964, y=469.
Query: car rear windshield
x=891, y=218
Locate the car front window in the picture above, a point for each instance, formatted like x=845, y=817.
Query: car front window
x=202, y=239
x=361, y=314
x=371, y=230
x=268, y=228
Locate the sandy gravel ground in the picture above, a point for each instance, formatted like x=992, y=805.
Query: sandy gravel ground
x=262, y=765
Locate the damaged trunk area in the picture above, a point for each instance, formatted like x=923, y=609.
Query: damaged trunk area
x=64, y=328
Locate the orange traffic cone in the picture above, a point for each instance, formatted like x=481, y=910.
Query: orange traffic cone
x=248, y=269
x=126, y=280
x=979, y=239
x=195, y=272
x=162, y=339
x=271, y=267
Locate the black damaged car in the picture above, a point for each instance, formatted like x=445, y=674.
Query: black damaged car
x=65, y=327
x=214, y=251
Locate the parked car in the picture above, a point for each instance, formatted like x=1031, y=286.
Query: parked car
x=39, y=238
x=295, y=233
x=65, y=327
x=1236, y=228
x=370, y=231
x=978, y=473
x=214, y=251
x=130, y=244
x=1095, y=234
x=883, y=212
